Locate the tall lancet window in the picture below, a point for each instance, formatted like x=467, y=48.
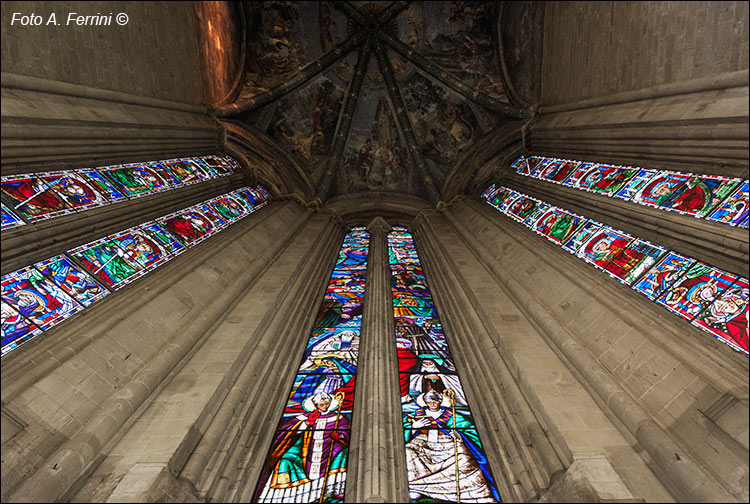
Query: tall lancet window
x=307, y=460
x=444, y=456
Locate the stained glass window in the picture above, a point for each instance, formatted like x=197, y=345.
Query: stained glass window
x=717, y=198
x=38, y=297
x=39, y=196
x=308, y=457
x=711, y=299
x=444, y=455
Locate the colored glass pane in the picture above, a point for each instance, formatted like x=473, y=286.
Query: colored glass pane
x=639, y=180
x=558, y=170
x=734, y=210
x=584, y=232
x=726, y=318
x=717, y=198
x=630, y=263
x=228, y=208
x=137, y=180
x=307, y=459
x=16, y=330
x=9, y=219
x=139, y=247
x=603, y=245
x=445, y=461
x=688, y=288
x=663, y=275
x=164, y=238
x=103, y=185
x=699, y=287
x=107, y=262
x=189, y=226
x=72, y=279
x=46, y=195
x=557, y=225
x=579, y=173
x=535, y=164
x=56, y=288
x=37, y=298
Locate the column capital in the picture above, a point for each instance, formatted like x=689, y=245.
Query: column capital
x=379, y=224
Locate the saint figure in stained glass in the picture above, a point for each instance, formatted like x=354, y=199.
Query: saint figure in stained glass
x=443, y=454
x=308, y=449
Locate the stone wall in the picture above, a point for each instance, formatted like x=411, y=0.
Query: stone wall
x=595, y=49
x=156, y=54
x=75, y=390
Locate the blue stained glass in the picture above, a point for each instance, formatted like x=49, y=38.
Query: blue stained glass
x=72, y=279
x=16, y=330
x=41, y=196
x=584, y=232
x=38, y=297
x=661, y=276
x=692, y=290
x=103, y=185
x=734, y=210
x=714, y=197
x=445, y=461
x=9, y=219
x=308, y=455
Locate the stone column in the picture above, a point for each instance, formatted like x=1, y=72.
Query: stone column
x=377, y=464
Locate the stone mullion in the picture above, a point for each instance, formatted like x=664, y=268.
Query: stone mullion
x=343, y=128
x=377, y=465
x=404, y=124
x=436, y=72
x=306, y=74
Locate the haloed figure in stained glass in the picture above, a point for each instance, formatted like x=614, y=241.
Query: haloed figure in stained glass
x=309, y=448
x=443, y=454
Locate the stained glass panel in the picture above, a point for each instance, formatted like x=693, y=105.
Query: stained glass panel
x=54, y=289
x=663, y=275
x=692, y=290
x=41, y=196
x=726, y=318
x=633, y=260
x=37, y=298
x=734, y=210
x=308, y=456
x=717, y=198
x=15, y=328
x=189, y=226
x=73, y=280
x=137, y=180
x=445, y=461
x=699, y=287
x=9, y=219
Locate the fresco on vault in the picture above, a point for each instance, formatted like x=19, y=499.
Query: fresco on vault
x=374, y=157
x=306, y=120
x=282, y=40
x=444, y=122
x=335, y=27
x=460, y=37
